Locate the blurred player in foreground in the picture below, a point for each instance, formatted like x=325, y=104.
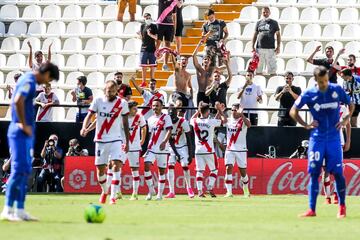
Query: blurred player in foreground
x=111, y=116
x=324, y=101
x=21, y=139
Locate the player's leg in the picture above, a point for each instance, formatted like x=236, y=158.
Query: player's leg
x=122, y=6
x=211, y=161
x=229, y=164
x=171, y=176
x=116, y=181
x=101, y=161
x=184, y=161
x=200, y=168
x=134, y=159
x=148, y=161
x=132, y=10
x=109, y=176
x=161, y=160
x=326, y=184
x=242, y=164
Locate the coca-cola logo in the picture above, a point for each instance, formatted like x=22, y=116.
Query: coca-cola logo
x=77, y=179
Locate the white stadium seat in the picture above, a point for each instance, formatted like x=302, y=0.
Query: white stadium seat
x=310, y=47
x=2, y=60
x=94, y=63
x=10, y=77
x=71, y=114
x=94, y=45
x=293, y=48
x=113, y=45
x=249, y=14
x=329, y=14
x=15, y=61
x=2, y=80
x=274, y=119
x=289, y=14
x=346, y=2
x=57, y=28
x=280, y=63
x=234, y=30
x=132, y=61
x=352, y=47
x=272, y=102
x=311, y=82
x=190, y=13
x=309, y=67
x=260, y=81
x=72, y=45
x=110, y=12
x=32, y=12
x=263, y=118
x=300, y=81
x=287, y=2
x=9, y=12
x=275, y=82
x=75, y=62
x=194, y=83
x=75, y=28
x=34, y=41
x=71, y=79
x=58, y=59
x=10, y=44
x=292, y=31
x=17, y=28
x=311, y=31
x=58, y=114
x=113, y=62
x=248, y=48
x=349, y=15
x=95, y=80
x=309, y=14
x=153, y=10
x=2, y=29
x=132, y=46
x=331, y=31
x=51, y=12
x=327, y=2
x=336, y=45
x=235, y=47
x=248, y=31
x=295, y=65
x=37, y=28
x=233, y=99
x=60, y=94
x=237, y=83
x=92, y=12
x=114, y=29
x=132, y=28
x=275, y=13
x=72, y=12
x=236, y=64
x=351, y=31
x=95, y=28
x=98, y=93
x=110, y=76
x=56, y=44
x=307, y=2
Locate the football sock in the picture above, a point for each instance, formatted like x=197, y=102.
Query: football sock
x=199, y=181
x=187, y=176
x=340, y=187
x=171, y=178
x=149, y=181
x=102, y=182
x=228, y=183
x=109, y=176
x=115, y=184
x=212, y=179
x=327, y=187
x=245, y=181
x=136, y=180
x=161, y=185
x=313, y=190
x=22, y=189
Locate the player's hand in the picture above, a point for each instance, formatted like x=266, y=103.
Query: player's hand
x=346, y=146
x=148, y=31
x=178, y=158
x=342, y=51
x=27, y=129
x=318, y=48
x=162, y=146
x=83, y=132
x=190, y=159
x=342, y=124
x=312, y=125
x=126, y=147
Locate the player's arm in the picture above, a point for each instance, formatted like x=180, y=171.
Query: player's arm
x=189, y=145
x=209, y=89
x=311, y=57
x=85, y=127
x=173, y=147
x=246, y=120
x=196, y=114
x=20, y=112
x=176, y=65
x=166, y=139
x=294, y=113
x=226, y=33
x=335, y=63
x=143, y=135
x=229, y=77
x=242, y=91
x=195, y=60
x=126, y=131
x=220, y=113
x=137, y=87
x=348, y=137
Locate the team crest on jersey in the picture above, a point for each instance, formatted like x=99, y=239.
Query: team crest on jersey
x=334, y=95
x=317, y=107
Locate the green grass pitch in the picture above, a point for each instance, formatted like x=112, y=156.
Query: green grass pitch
x=259, y=217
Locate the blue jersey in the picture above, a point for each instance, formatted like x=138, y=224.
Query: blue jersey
x=325, y=108
x=26, y=87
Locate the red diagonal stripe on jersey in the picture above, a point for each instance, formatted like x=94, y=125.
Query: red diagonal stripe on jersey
x=178, y=130
x=136, y=126
x=45, y=110
x=107, y=124
x=197, y=132
x=155, y=96
x=160, y=125
x=235, y=136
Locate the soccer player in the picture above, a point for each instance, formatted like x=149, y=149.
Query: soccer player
x=111, y=116
x=137, y=125
x=204, y=128
x=160, y=126
x=236, y=150
x=180, y=151
x=21, y=139
x=323, y=101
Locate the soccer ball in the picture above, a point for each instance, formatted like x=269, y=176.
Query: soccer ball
x=94, y=214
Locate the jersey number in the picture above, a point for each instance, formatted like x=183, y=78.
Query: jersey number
x=204, y=134
x=314, y=156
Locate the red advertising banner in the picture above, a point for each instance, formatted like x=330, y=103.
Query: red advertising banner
x=267, y=176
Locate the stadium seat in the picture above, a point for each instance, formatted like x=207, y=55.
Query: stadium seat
x=9, y=12
x=2, y=80
x=237, y=82
x=248, y=14
x=309, y=15
x=351, y=32
x=110, y=12
x=263, y=118
x=274, y=82
x=113, y=62
x=10, y=45
x=352, y=48
x=59, y=93
x=275, y=13
x=2, y=60
x=266, y=1
x=280, y=63
x=293, y=48
x=236, y=65
x=110, y=76
x=58, y=114
x=72, y=45
x=57, y=29
x=349, y=15
x=58, y=59
x=75, y=62
x=233, y=99
x=71, y=13
x=98, y=93
x=71, y=114
x=307, y=2
x=331, y=31
x=2, y=95
x=170, y=85
x=15, y=62
x=75, y=28
x=93, y=63
x=235, y=47
x=327, y=2
x=51, y=12
x=300, y=81
x=114, y=29
x=289, y=14
x=272, y=103
x=329, y=14
x=234, y=30
x=153, y=10
x=291, y=31
x=131, y=29
x=194, y=83
x=113, y=45
x=311, y=31
x=17, y=28
x=56, y=44
x=138, y=15
x=37, y=28
x=310, y=47
x=95, y=28
x=132, y=61
x=287, y=2
x=92, y=12
x=336, y=45
x=295, y=65
x=95, y=80
x=93, y=45
x=248, y=48
x=35, y=43
x=248, y=31
x=71, y=79
x=132, y=46
x=260, y=81
x=346, y=2
x=311, y=82
x=190, y=13
x=10, y=77
x=31, y=12
x=309, y=67
x=2, y=29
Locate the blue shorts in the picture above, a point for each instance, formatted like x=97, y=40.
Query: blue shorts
x=21, y=154
x=147, y=59
x=329, y=152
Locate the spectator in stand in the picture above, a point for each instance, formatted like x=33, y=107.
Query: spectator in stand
x=149, y=34
x=166, y=23
x=149, y=96
x=287, y=95
x=216, y=39
x=122, y=6
x=327, y=62
x=124, y=90
x=82, y=95
x=352, y=88
x=9, y=88
x=39, y=57
x=250, y=95
x=179, y=25
x=217, y=91
x=264, y=37
x=46, y=100
x=350, y=63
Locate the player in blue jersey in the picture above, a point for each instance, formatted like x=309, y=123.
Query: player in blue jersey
x=21, y=139
x=323, y=101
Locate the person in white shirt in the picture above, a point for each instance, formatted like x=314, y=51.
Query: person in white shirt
x=46, y=100
x=236, y=149
x=111, y=123
x=204, y=128
x=250, y=95
x=160, y=126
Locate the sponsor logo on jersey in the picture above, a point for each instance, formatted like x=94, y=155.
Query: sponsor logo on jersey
x=331, y=105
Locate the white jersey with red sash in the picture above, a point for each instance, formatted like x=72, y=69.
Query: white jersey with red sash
x=204, y=134
x=148, y=99
x=158, y=126
x=109, y=121
x=236, y=135
x=178, y=132
x=45, y=114
x=135, y=124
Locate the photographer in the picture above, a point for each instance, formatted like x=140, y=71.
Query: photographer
x=50, y=174
x=75, y=149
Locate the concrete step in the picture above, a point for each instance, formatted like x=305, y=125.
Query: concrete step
x=193, y=32
x=158, y=74
x=227, y=7
x=238, y=1
x=190, y=40
x=227, y=15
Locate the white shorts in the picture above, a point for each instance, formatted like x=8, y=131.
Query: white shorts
x=106, y=152
x=267, y=57
x=184, y=156
x=239, y=157
x=161, y=158
x=202, y=160
x=134, y=158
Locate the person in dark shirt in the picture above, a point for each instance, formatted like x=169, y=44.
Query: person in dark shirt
x=264, y=37
x=287, y=95
x=82, y=95
x=351, y=86
x=149, y=34
x=124, y=90
x=179, y=25
x=219, y=33
x=351, y=64
x=327, y=62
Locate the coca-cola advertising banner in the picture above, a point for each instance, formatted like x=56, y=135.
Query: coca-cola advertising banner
x=267, y=176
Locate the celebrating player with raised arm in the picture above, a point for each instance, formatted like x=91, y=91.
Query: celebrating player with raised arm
x=111, y=116
x=323, y=101
x=160, y=126
x=236, y=149
x=204, y=128
x=180, y=151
